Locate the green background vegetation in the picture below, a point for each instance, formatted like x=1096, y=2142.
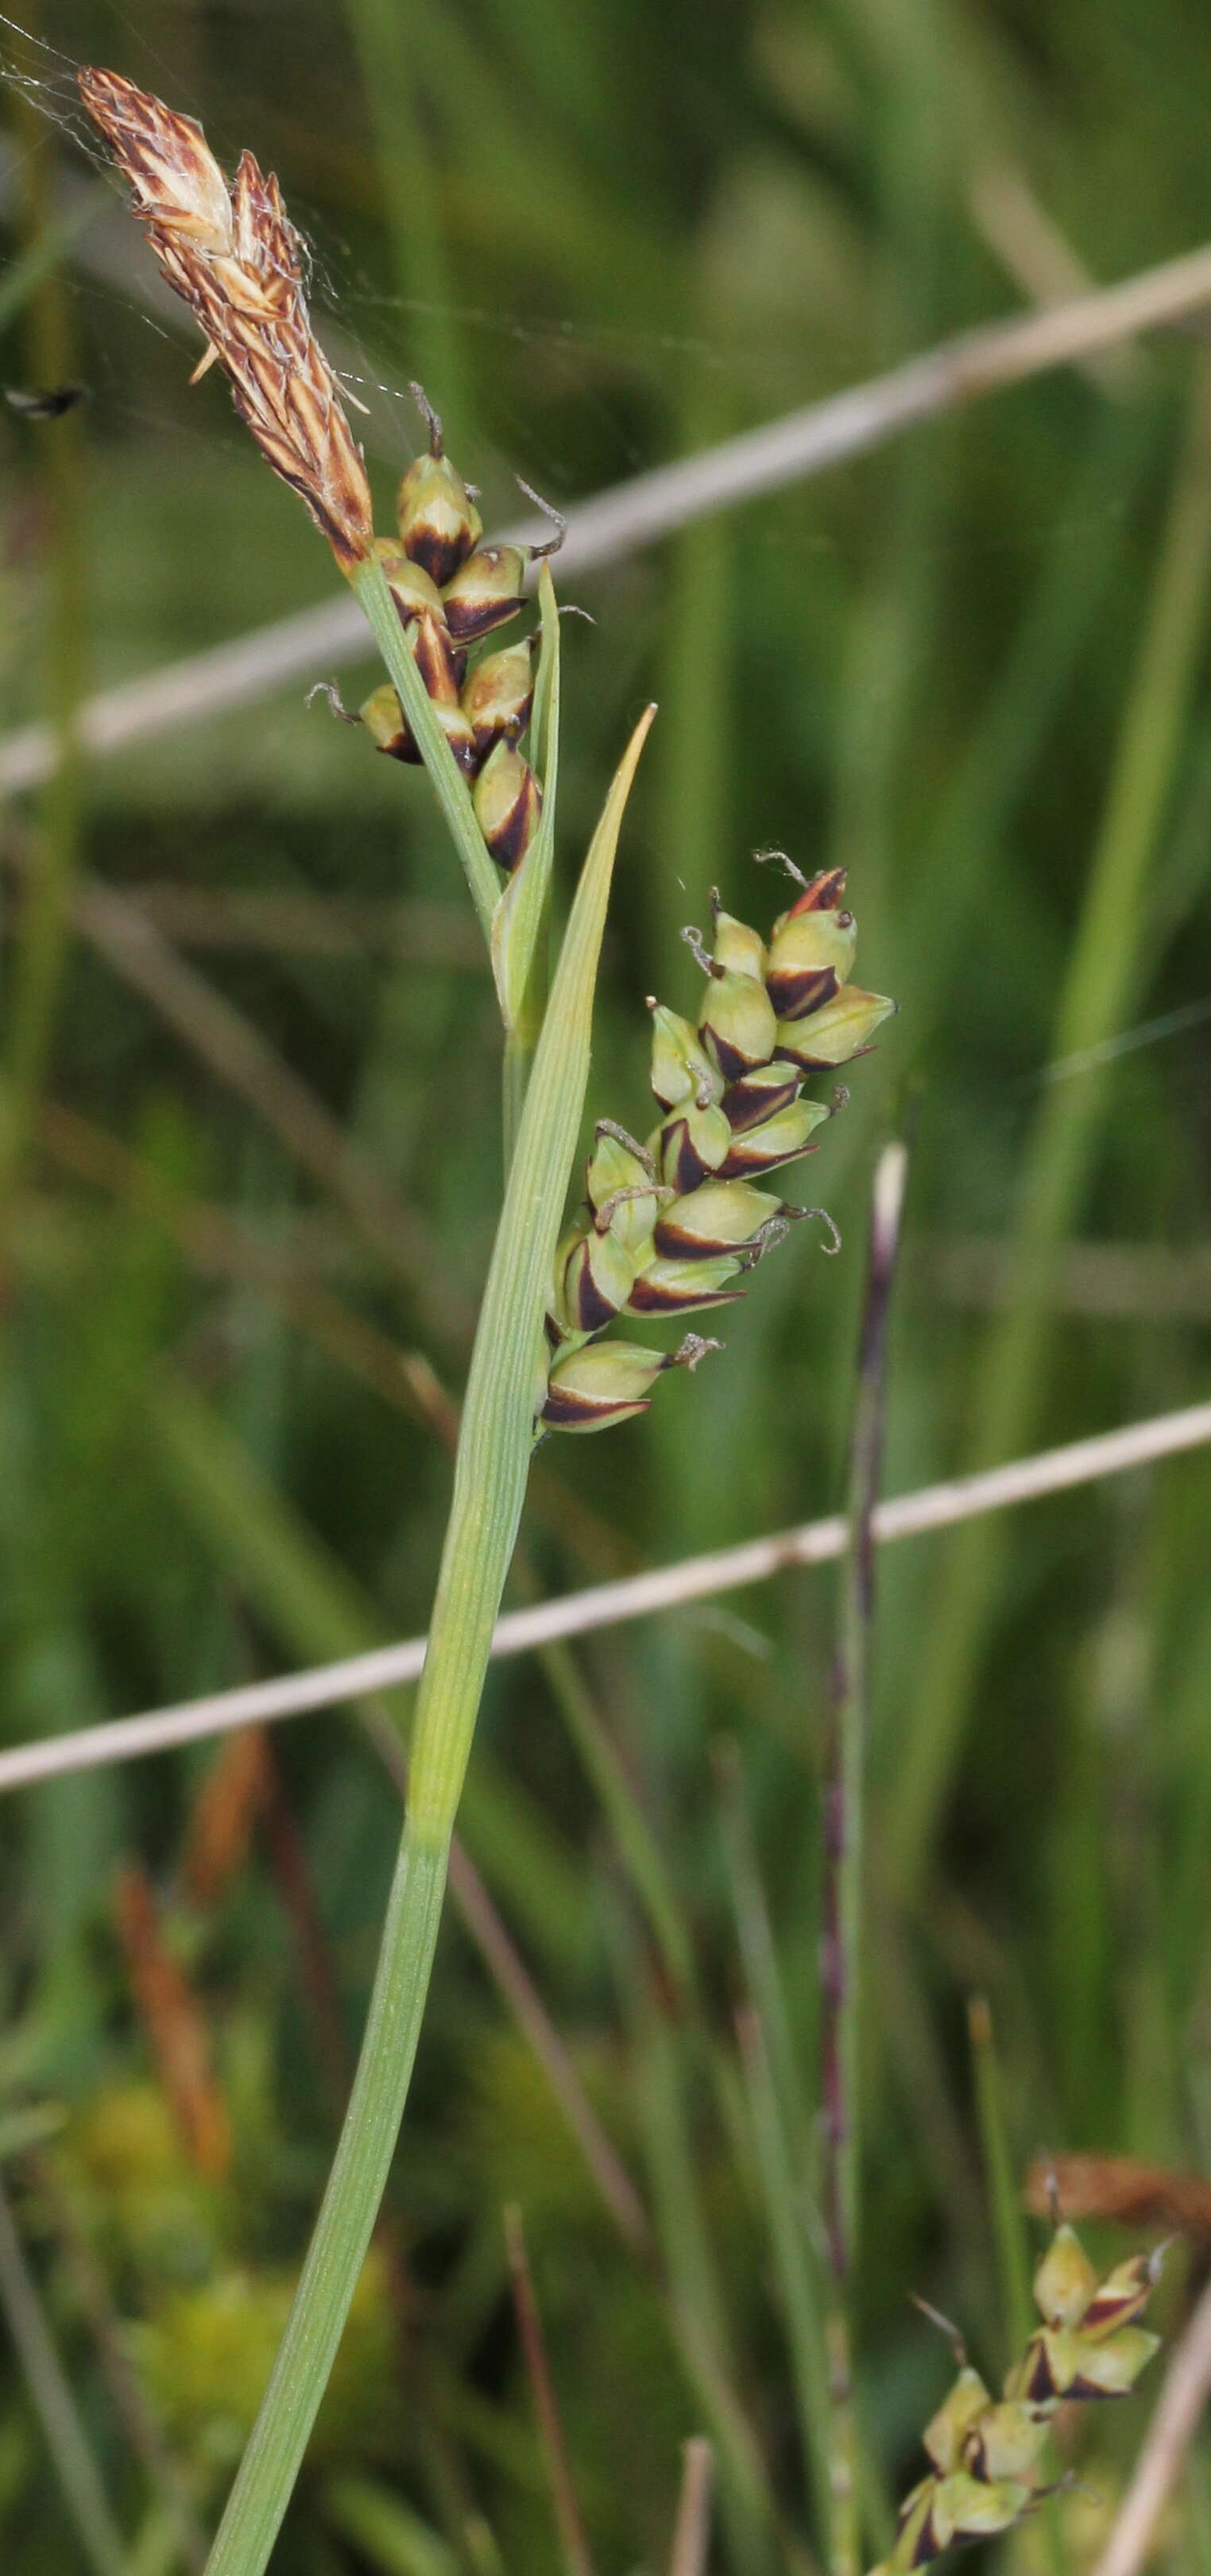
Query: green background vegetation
x=973, y=666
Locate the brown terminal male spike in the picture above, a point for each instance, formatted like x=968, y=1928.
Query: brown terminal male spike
x=230, y=251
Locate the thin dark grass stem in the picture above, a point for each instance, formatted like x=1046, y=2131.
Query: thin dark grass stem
x=316, y=1971
x=573, y=2539
x=841, y=1959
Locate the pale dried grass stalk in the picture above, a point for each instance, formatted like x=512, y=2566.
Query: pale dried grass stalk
x=232, y=254
x=1179, y=2413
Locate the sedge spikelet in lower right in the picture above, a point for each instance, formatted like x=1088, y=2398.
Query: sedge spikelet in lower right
x=1089, y=2346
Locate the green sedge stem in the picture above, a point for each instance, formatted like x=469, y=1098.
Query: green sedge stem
x=348, y=2211
x=495, y=1443
x=514, y=1077
x=453, y=794
x=490, y=1474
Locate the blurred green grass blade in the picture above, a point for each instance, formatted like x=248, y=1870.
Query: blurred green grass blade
x=796, y=2271
x=697, y=765
x=635, y=1842
x=890, y=641
x=71, y=1840
x=427, y=337
x=286, y=1571
x=318, y=1611
x=54, y=2404
x=922, y=2068
x=29, y=2125
x=38, y=968
x=764, y=1973
x=675, y=2160
x=25, y=273
x=887, y=654
x=384, y=2531
x=1082, y=1966
x=966, y=840
x=1000, y=2169
x=564, y=57
x=786, y=2145
x=1197, y=2484
x=1189, y=1697
x=506, y=209
x=156, y=2549
x=1110, y=958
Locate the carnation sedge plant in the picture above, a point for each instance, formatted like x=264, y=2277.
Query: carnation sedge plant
x=671, y=1223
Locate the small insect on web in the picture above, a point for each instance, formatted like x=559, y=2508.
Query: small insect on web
x=44, y=403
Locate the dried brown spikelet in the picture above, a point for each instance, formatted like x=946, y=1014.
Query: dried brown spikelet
x=178, y=2033
x=1125, y=2191
x=224, y=1816
x=232, y=254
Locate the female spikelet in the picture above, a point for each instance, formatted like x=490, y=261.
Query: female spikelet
x=671, y=1227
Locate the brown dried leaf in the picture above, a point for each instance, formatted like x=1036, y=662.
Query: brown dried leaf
x=1124, y=2191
